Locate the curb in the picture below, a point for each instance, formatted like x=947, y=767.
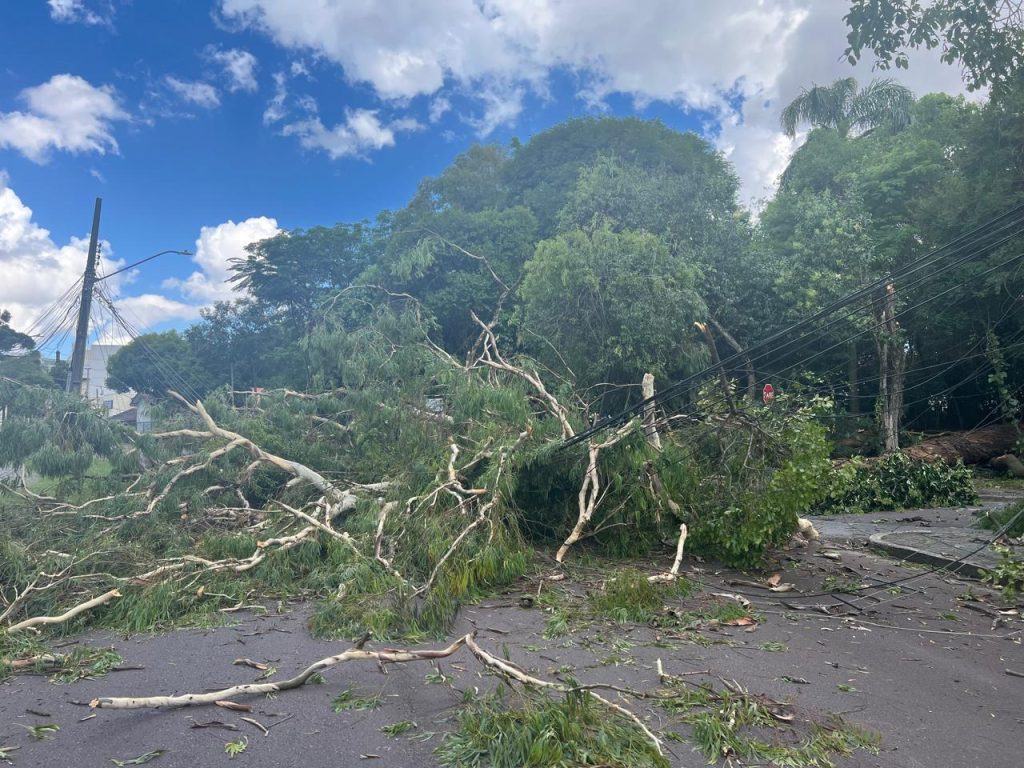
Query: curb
x=923, y=556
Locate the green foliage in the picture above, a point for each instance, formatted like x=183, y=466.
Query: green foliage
x=894, y=481
x=397, y=729
x=605, y=306
x=297, y=270
x=544, y=733
x=842, y=107
x=761, y=469
x=543, y=173
x=1008, y=575
x=234, y=748
x=154, y=363
x=57, y=435
x=726, y=722
x=140, y=760
x=347, y=700
x=85, y=662
x=629, y=597
x=1010, y=518
x=985, y=37
x=10, y=339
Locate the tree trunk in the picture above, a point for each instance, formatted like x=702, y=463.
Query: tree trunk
x=649, y=417
x=747, y=364
x=851, y=373
x=717, y=362
x=975, y=446
x=892, y=366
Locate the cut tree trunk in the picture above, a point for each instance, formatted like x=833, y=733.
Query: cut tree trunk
x=892, y=367
x=976, y=446
x=851, y=372
x=748, y=365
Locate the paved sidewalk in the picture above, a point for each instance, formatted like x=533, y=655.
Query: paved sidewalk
x=942, y=536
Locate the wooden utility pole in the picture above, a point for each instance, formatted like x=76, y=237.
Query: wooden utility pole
x=85, y=306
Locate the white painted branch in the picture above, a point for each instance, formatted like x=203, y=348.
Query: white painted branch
x=386, y=656
x=807, y=529
x=673, y=574
x=69, y=614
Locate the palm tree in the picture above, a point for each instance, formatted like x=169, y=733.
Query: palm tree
x=842, y=107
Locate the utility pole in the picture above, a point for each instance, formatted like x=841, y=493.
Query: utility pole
x=84, y=307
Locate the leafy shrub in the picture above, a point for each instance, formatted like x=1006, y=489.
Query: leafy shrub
x=764, y=472
x=1008, y=575
x=1010, y=517
x=896, y=481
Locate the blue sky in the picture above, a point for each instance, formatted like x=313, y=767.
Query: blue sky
x=206, y=124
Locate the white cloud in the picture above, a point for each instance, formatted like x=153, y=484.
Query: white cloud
x=438, y=107
x=36, y=270
x=215, y=249
x=736, y=60
x=275, y=111
x=65, y=113
x=360, y=132
x=149, y=309
x=239, y=67
x=501, y=107
x=194, y=91
x=79, y=12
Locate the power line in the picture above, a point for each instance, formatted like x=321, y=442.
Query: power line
x=1011, y=220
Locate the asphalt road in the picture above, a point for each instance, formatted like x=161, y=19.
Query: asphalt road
x=920, y=667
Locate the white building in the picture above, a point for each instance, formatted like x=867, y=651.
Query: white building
x=94, y=381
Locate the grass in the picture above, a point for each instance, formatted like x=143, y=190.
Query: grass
x=729, y=724
x=997, y=519
x=86, y=663
x=836, y=584
x=629, y=597
x=541, y=732
x=42, y=731
x=397, y=729
x=82, y=663
x=347, y=701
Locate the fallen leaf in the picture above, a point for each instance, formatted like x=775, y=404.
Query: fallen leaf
x=140, y=760
x=742, y=621
x=251, y=663
x=730, y=596
x=234, y=706
x=215, y=724
x=787, y=587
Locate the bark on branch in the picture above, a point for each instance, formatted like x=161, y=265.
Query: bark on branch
x=69, y=614
x=386, y=656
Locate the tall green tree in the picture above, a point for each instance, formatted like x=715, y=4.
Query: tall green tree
x=602, y=306
x=296, y=271
x=986, y=37
x=543, y=173
x=154, y=363
x=248, y=343
x=20, y=362
x=847, y=110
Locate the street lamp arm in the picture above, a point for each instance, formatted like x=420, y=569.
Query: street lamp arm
x=143, y=261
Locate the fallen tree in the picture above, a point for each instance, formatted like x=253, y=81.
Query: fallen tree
x=975, y=446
